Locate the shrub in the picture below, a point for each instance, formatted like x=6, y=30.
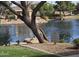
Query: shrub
x=4, y=39
x=11, y=17
x=64, y=36
x=18, y=42
x=61, y=41
x=76, y=42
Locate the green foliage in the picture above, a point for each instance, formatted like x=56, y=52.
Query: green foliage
x=64, y=6
x=63, y=36
x=47, y=10
x=61, y=41
x=76, y=41
x=71, y=7
x=61, y=5
x=11, y=17
x=4, y=39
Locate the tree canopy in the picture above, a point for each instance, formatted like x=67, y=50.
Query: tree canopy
x=46, y=10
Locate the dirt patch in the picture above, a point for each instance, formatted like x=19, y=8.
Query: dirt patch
x=59, y=49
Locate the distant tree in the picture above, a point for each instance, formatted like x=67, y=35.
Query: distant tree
x=64, y=6
x=46, y=10
x=77, y=9
x=30, y=22
x=77, y=6
x=70, y=7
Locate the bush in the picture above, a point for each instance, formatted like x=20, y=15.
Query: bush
x=4, y=39
x=11, y=17
x=61, y=41
x=76, y=42
x=44, y=17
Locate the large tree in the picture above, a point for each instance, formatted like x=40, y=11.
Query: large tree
x=30, y=22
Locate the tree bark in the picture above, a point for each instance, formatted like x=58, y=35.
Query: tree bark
x=34, y=29
x=37, y=34
x=61, y=16
x=44, y=35
x=63, y=13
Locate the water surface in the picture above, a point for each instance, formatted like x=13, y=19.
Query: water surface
x=70, y=27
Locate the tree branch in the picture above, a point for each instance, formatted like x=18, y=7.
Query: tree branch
x=17, y=4
x=24, y=13
x=23, y=3
x=8, y=7
x=35, y=11
x=28, y=3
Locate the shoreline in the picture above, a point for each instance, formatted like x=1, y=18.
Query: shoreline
x=67, y=18
x=71, y=17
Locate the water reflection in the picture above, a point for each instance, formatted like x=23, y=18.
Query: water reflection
x=66, y=27
x=17, y=32
x=52, y=29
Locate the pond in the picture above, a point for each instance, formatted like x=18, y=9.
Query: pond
x=17, y=31
x=70, y=27
x=52, y=29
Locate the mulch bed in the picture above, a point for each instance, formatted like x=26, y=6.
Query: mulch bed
x=63, y=49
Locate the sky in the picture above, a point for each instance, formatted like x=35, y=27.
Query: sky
x=54, y=2
x=75, y=2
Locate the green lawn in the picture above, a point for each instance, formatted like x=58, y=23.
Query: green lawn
x=17, y=51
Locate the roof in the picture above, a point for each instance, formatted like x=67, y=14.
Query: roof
x=19, y=9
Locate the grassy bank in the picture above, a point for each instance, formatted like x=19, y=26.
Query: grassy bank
x=72, y=17
x=17, y=51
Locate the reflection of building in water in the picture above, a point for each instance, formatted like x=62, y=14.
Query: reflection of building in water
x=4, y=30
x=23, y=32
x=55, y=36
x=17, y=32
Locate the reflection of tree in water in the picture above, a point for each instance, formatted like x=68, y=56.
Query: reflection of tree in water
x=63, y=28
x=65, y=36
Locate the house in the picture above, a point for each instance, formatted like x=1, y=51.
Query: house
x=19, y=10
x=38, y=19
x=65, y=12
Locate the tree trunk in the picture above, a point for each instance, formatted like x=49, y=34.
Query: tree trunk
x=37, y=34
x=63, y=13
x=34, y=29
x=44, y=35
x=61, y=16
